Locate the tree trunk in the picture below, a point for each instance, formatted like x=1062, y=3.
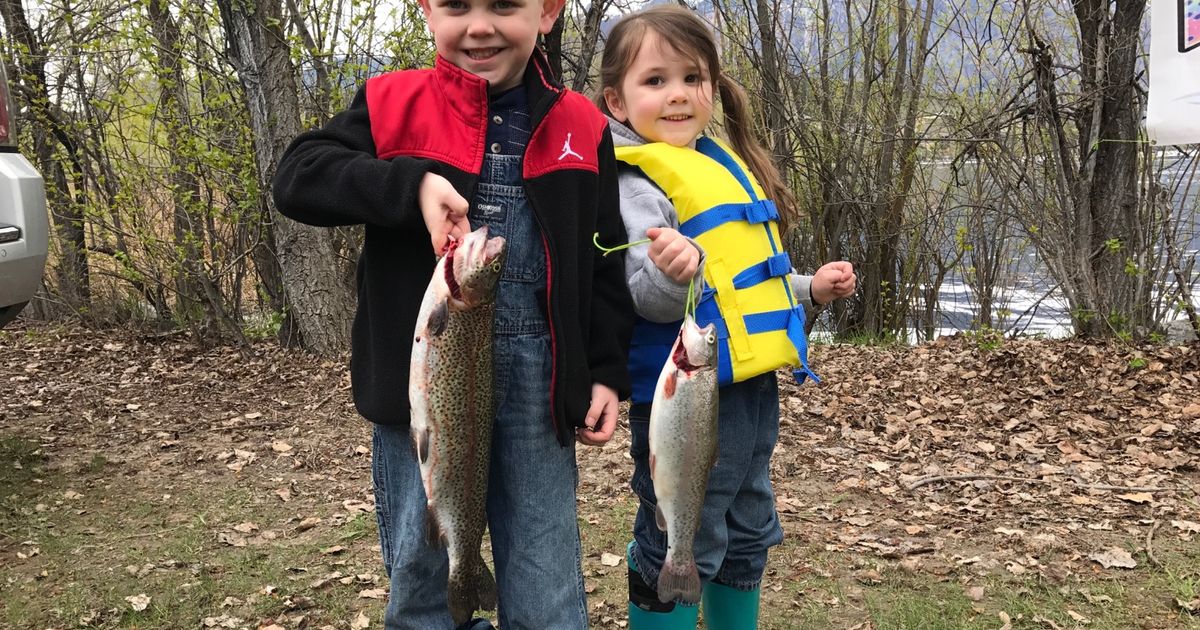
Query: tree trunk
x=773, y=110
x=588, y=40
x=552, y=44
x=316, y=293
x=191, y=306
x=1110, y=46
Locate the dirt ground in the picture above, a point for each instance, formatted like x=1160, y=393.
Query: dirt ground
x=974, y=482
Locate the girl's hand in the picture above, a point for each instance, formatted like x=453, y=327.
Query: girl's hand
x=444, y=210
x=833, y=281
x=673, y=254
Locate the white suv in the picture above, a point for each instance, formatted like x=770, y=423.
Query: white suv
x=24, y=228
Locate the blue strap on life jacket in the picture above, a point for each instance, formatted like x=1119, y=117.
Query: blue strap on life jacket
x=754, y=212
x=708, y=147
x=773, y=267
x=793, y=321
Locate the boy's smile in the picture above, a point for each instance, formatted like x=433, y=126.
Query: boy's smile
x=664, y=96
x=492, y=39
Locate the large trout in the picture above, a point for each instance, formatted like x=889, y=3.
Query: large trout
x=450, y=391
x=683, y=447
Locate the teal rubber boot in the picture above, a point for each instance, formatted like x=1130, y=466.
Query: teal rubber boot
x=727, y=608
x=647, y=613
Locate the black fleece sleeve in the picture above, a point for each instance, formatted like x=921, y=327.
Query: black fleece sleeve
x=330, y=176
x=612, y=308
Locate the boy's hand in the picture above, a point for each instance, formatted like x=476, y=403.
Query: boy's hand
x=833, y=281
x=444, y=210
x=601, y=418
x=673, y=254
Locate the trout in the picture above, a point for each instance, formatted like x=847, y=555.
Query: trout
x=683, y=447
x=450, y=392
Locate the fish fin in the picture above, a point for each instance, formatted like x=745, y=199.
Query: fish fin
x=653, y=461
x=669, y=385
x=679, y=581
x=660, y=519
x=421, y=442
x=469, y=589
x=433, y=529
x=485, y=586
x=438, y=318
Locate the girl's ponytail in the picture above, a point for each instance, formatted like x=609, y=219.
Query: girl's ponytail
x=736, y=109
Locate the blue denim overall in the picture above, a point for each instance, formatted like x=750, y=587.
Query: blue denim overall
x=531, y=487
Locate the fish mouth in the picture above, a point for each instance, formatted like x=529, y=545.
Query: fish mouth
x=451, y=281
x=470, y=260
x=695, y=347
x=680, y=357
x=493, y=250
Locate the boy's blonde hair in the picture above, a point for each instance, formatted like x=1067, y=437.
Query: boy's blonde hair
x=690, y=36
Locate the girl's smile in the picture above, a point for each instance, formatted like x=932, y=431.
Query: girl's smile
x=664, y=96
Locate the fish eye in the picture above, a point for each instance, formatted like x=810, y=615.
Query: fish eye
x=496, y=266
x=709, y=338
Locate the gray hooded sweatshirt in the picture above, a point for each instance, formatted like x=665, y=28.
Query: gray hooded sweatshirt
x=643, y=206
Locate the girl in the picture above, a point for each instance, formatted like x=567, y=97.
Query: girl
x=705, y=207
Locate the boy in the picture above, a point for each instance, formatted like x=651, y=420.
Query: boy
x=488, y=123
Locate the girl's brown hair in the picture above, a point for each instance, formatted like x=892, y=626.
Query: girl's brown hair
x=689, y=35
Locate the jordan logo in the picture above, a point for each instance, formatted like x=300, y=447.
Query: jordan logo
x=567, y=150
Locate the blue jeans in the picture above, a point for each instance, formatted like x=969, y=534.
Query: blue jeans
x=532, y=480
x=738, y=523
x=531, y=514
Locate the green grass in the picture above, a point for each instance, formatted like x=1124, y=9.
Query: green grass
x=85, y=546
x=77, y=575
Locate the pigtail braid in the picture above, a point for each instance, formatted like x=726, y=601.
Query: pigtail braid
x=738, y=127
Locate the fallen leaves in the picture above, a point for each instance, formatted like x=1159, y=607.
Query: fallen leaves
x=1188, y=527
x=308, y=524
x=373, y=593
x=1114, y=557
x=1137, y=497
x=1035, y=473
x=138, y=602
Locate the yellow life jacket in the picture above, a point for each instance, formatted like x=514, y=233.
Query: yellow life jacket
x=759, y=324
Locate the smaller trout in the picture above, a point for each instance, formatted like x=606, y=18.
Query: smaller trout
x=450, y=393
x=683, y=447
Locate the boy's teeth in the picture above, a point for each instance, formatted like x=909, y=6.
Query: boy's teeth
x=480, y=54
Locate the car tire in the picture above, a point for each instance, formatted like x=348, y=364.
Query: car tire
x=9, y=313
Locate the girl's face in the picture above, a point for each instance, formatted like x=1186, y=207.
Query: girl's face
x=664, y=96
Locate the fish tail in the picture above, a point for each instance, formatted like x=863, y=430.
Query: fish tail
x=485, y=586
x=470, y=588
x=679, y=581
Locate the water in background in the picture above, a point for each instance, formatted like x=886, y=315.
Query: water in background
x=1034, y=306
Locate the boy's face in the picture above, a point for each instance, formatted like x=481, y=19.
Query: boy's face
x=492, y=39
x=664, y=96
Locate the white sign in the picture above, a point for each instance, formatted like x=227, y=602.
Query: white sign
x=1173, y=114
